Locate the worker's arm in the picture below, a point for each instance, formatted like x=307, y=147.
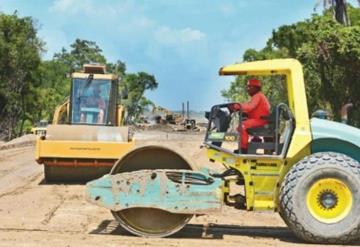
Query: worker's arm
x=252, y=104
x=246, y=107
x=101, y=104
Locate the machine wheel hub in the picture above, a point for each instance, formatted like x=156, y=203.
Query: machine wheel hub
x=329, y=200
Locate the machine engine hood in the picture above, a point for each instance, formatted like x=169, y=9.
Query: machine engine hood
x=321, y=128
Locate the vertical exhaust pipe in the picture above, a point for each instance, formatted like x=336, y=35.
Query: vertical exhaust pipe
x=183, y=110
x=187, y=110
x=345, y=112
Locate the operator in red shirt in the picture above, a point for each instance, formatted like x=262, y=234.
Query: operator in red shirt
x=257, y=109
x=95, y=101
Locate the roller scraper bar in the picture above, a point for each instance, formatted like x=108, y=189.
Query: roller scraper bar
x=175, y=191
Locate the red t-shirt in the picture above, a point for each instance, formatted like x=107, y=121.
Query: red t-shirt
x=95, y=101
x=257, y=107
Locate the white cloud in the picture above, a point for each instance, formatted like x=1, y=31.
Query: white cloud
x=227, y=9
x=188, y=35
x=129, y=18
x=71, y=6
x=96, y=8
x=145, y=22
x=168, y=36
x=62, y=5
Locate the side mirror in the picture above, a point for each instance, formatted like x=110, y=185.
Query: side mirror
x=321, y=114
x=207, y=115
x=124, y=94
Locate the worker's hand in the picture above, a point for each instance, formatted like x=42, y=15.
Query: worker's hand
x=235, y=107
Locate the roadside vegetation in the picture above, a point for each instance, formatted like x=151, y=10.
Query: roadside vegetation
x=330, y=54
x=31, y=88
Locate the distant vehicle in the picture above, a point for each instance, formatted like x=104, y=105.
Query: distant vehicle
x=40, y=128
x=321, y=114
x=345, y=113
x=87, y=135
x=169, y=116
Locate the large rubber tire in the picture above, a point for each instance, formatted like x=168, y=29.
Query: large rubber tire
x=150, y=222
x=316, y=173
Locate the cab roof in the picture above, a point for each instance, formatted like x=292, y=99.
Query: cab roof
x=81, y=75
x=97, y=70
x=264, y=67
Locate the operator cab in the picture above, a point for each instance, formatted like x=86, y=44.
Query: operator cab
x=93, y=97
x=272, y=139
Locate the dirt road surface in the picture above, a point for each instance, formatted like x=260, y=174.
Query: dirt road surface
x=33, y=213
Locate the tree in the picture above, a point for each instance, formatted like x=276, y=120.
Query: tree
x=20, y=50
x=273, y=86
x=137, y=84
x=338, y=8
x=52, y=89
x=334, y=55
x=330, y=56
x=82, y=52
x=117, y=68
x=30, y=89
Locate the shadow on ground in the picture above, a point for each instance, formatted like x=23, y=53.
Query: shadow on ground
x=214, y=231
x=44, y=182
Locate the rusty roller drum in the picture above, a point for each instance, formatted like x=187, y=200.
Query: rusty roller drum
x=151, y=222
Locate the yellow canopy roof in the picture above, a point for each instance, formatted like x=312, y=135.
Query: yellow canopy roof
x=81, y=75
x=264, y=67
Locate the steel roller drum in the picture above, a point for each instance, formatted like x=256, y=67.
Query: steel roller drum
x=150, y=222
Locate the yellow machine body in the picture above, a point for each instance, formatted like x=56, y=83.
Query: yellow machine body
x=306, y=170
x=81, y=145
x=67, y=145
x=263, y=174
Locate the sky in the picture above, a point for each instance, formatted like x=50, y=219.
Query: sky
x=182, y=43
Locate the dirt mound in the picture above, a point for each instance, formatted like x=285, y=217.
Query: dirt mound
x=25, y=140
x=151, y=127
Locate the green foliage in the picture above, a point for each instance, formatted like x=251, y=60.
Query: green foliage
x=30, y=89
x=334, y=55
x=53, y=89
x=272, y=87
x=330, y=54
x=117, y=68
x=137, y=84
x=20, y=50
x=354, y=15
x=82, y=52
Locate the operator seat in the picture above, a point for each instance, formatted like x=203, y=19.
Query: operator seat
x=270, y=133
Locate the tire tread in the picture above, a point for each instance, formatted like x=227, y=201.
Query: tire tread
x=287, y=195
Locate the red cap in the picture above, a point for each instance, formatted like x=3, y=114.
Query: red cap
x=254, y=82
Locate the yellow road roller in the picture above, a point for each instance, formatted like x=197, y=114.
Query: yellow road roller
x=305, y=169
x=86, y=136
